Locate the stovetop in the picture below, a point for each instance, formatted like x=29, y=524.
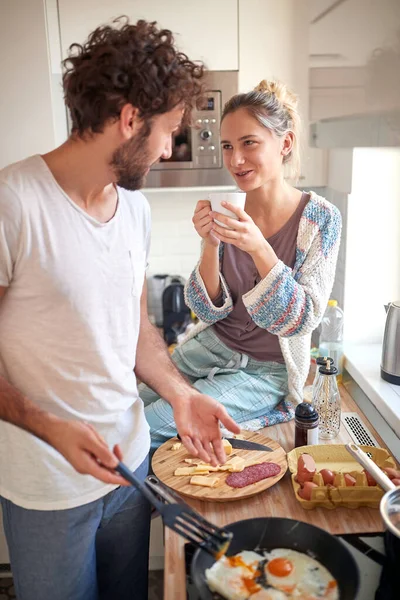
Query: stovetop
x=368, y=550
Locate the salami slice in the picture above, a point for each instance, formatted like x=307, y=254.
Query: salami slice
x=253, y=474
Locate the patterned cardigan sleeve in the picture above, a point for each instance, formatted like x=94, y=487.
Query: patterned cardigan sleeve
x=291, y=303
x=197, y=298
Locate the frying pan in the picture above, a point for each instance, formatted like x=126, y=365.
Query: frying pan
x=272, y=532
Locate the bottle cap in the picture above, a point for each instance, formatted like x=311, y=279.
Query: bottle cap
x=322, y=360
x=332, y=303
x=328, y=370
x=306, y=411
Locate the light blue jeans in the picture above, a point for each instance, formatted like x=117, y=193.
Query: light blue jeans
x=98, y=551
x=248, y=388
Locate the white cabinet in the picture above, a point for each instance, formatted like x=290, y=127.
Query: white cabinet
x=206, y=30
x=25, y=102
x=273, y=43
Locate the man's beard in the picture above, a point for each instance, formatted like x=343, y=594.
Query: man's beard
x=131, y=160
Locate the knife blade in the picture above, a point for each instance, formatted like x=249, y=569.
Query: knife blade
x=247, y=445
x=244, y=444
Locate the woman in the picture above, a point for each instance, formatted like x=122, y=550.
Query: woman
x=261, y=286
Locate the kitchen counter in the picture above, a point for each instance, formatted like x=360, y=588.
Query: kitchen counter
x=277, y=501
x=363, y=361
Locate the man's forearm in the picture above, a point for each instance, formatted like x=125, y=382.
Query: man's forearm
x=155, y=367
x=15, y=408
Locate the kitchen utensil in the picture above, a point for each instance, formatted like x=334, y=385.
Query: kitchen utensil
x=165, y=461
x=269, y=533
x=244, y=444
x=179, y=516
x=390, y=503
x=390, y=363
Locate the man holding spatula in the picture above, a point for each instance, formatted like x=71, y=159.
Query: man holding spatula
x=74, y=332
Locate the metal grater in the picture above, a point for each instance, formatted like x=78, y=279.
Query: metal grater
x=357, y=430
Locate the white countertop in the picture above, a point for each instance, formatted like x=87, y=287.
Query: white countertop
x=363, y=362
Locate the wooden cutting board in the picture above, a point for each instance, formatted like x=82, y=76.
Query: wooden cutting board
x=165, y=461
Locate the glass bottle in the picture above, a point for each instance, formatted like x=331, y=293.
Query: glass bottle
x=326, y=401
x=306, y=425
x=321, y=362
x=331, y=337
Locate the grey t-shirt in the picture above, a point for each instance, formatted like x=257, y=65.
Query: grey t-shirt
x=238, y=331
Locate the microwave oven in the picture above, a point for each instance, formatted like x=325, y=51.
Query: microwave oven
x=196, y=158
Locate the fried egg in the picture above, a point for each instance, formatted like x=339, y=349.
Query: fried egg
x=280, y=574
x=299, y=575
x=233, y=576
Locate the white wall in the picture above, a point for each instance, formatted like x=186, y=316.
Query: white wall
x=205, y=30
x=352, y=30
x=26, y=123
x=273, y=44
x=175, y=245
x=373, y=242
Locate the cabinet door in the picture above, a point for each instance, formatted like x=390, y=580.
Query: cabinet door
x=206, y=30
x=273, y=43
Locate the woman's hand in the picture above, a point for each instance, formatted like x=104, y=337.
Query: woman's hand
x=203, y=222
x=245, y=235
x=242, y=233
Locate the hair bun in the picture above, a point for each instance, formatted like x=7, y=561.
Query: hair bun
x=287, y=98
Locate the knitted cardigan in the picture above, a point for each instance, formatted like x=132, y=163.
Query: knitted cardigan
x=288, y=302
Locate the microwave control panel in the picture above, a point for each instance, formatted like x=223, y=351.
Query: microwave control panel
x=206, y=118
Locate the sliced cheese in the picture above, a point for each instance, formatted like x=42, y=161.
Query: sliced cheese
x=202, y=468
x=176, y=446
x=250, y=462
x=183, y=471
x=210, y=481
x=236, y=464
x=227, y=447
x=190, y=471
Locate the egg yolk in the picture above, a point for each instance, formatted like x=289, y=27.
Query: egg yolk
x=280, y=567
x=250, y=585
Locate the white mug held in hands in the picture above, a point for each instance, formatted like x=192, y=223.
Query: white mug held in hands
x=236, y=198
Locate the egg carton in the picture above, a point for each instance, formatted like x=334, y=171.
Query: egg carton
x=337, y=459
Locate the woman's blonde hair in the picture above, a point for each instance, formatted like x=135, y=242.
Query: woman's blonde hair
x=274, y=106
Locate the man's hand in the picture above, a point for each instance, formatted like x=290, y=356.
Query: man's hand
x=197, y=420
x=85, y=449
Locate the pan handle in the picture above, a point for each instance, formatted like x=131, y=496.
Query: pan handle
x=166, y=495
x=371, y=467
x=139, y=485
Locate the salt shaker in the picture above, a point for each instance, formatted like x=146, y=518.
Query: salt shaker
x=326, y=401
x=306, y=425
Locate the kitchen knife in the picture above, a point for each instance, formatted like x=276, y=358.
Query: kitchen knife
x=247, y=445
x=244, y=444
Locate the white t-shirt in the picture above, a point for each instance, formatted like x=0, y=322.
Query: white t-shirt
x=69, y=325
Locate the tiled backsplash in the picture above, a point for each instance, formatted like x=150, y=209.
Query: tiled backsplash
x=175, y=245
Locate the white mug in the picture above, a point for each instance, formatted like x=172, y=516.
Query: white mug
x=235, y=198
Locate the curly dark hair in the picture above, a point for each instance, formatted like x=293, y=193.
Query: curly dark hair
x=124, y=63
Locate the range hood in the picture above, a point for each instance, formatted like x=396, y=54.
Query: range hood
x=356, y=131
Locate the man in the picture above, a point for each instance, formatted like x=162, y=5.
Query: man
x=74, y=242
